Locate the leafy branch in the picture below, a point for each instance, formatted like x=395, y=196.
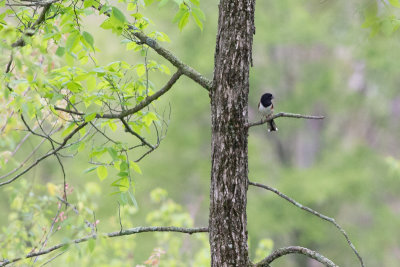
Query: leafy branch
x=131, y=231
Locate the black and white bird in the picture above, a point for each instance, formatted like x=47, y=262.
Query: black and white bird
x=266, y=108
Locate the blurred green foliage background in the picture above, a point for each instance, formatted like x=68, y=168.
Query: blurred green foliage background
x=316, y=58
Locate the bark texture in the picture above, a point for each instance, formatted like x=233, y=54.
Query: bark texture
x=229, y=99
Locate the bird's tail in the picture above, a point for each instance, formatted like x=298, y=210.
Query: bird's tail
x=272, y=126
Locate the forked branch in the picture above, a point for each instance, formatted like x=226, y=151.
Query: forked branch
x=52, y=152
x=147, y=101
x=168, y=55
x=326, y=218
x=186, y=69
x=295, y=249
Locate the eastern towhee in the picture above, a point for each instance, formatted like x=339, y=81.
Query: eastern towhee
x=266, y=108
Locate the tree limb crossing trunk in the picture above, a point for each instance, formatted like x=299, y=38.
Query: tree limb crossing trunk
x=229, y=100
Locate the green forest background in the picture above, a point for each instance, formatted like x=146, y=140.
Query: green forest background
x=316, y=58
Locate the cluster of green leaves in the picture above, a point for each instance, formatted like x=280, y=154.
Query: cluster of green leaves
x=32, y=214
x=57, y=67
x=39, y=82
x=382, y=17
x=36, y=217
x=171, y=213
x=117, y=20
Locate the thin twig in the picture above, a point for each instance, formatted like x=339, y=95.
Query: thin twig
x=147, y=101
x=119, y=217
x=326, y=218
x=284, y=114
x=23, y=162
x=53, y=258
x=61, y=146
x=74, y=208
x=129, y=129
x=130, y=231
x=44, y=243
x=295, y=249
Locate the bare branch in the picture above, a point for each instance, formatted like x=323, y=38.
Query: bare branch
x=130, y=231
x=295, y=249
x=186, y=70
x=35, y=133
x=326, y=218
x=75, y=209
x=54, y=151
x=25, y=160
x=69, y=111
x=284, y=114
x=128, y=128
x=8, y=67
x=147, y=152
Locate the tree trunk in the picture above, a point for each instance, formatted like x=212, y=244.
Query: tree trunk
x=229, y=99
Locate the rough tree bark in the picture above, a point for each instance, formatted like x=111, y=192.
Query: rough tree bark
x=229, y=99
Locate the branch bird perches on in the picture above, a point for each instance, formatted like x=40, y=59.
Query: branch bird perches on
x=284, y=114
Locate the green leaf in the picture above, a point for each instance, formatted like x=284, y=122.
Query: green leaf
x=140, y=70
x=88, y=3
x=195, y=2
x=124, y=184
x=102, y=172
x=179, y=15
x=184, y=20
x=149, y=118
x=90, y=169
x=91, y=83
x=124, y=166
x=89, y=39
x=68, y=130
x=197, y=20
x=131, y=6
x=112, y=126
x=74, y=87
x=163, y=37
x=118, y=14
x=72, y=41
x=60, y=51
x=69, y=59
x=199, y=13
x=91, y=245
x=90, y=117
x=131, y=45
x=135, y=167
x=123, y=174
x=107, y=24
x=133, y=199
x=113, y=153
